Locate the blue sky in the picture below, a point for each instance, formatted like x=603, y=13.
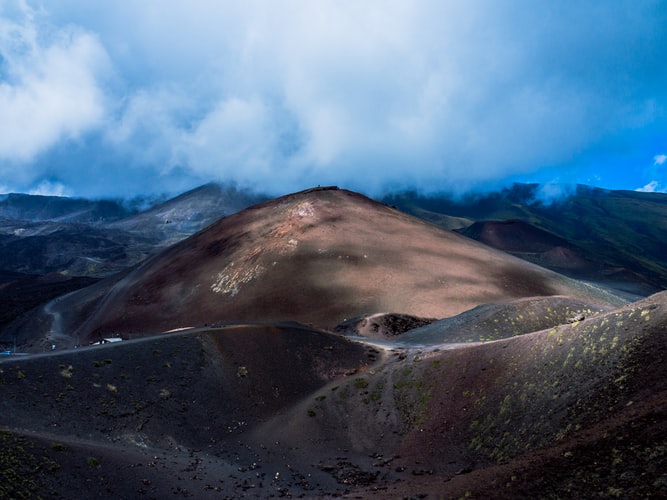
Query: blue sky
x=121, y=97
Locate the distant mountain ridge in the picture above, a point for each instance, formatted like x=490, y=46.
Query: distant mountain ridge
x=615, y=237
x=84, y=239
x=43, y=234
x=38, y=208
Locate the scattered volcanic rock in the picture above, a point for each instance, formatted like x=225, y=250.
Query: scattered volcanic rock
x=288, y=410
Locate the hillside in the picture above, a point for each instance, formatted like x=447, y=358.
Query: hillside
x=318, y=257
x=574, y=410
x=179, y=217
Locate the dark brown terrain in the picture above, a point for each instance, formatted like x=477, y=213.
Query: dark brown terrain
x=576, y=410
x=423, y=364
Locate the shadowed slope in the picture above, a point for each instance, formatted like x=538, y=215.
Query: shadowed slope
x=482, y=323
x=381, y=325
x=513, y=236
x=319, y=256
x=216, y=379
x=176, y=406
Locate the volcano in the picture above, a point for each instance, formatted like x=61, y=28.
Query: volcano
x=319, y=257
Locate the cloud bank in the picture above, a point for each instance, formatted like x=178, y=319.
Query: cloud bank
x=119, y=98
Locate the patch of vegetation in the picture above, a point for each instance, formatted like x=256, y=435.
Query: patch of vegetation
x=22, y=467
x=376, y=393
x=343, y=394
x=595, y=351
x=412, y=394
x=360, y=383
x=58, y=447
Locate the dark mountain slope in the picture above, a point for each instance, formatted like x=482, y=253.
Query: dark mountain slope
x=513, y=236
x=19, y=293
x=184, y=215
x=503, y=319
x=186, y=397
x=35, y=208
x=287, y=410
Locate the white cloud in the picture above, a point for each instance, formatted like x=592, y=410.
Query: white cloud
x=659, y=159
x=651, y=187
x=49, y=87
x=48, y=188
x=554, y=191
x=235, y=138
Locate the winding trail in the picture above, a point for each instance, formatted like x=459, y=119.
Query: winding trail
x=56, y=335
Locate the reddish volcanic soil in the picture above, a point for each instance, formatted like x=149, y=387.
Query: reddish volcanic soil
x=513, y=236
x=318, y=257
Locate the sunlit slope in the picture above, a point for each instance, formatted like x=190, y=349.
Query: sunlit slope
x=318, y=256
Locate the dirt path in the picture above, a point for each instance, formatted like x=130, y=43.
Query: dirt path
x=56, y=337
